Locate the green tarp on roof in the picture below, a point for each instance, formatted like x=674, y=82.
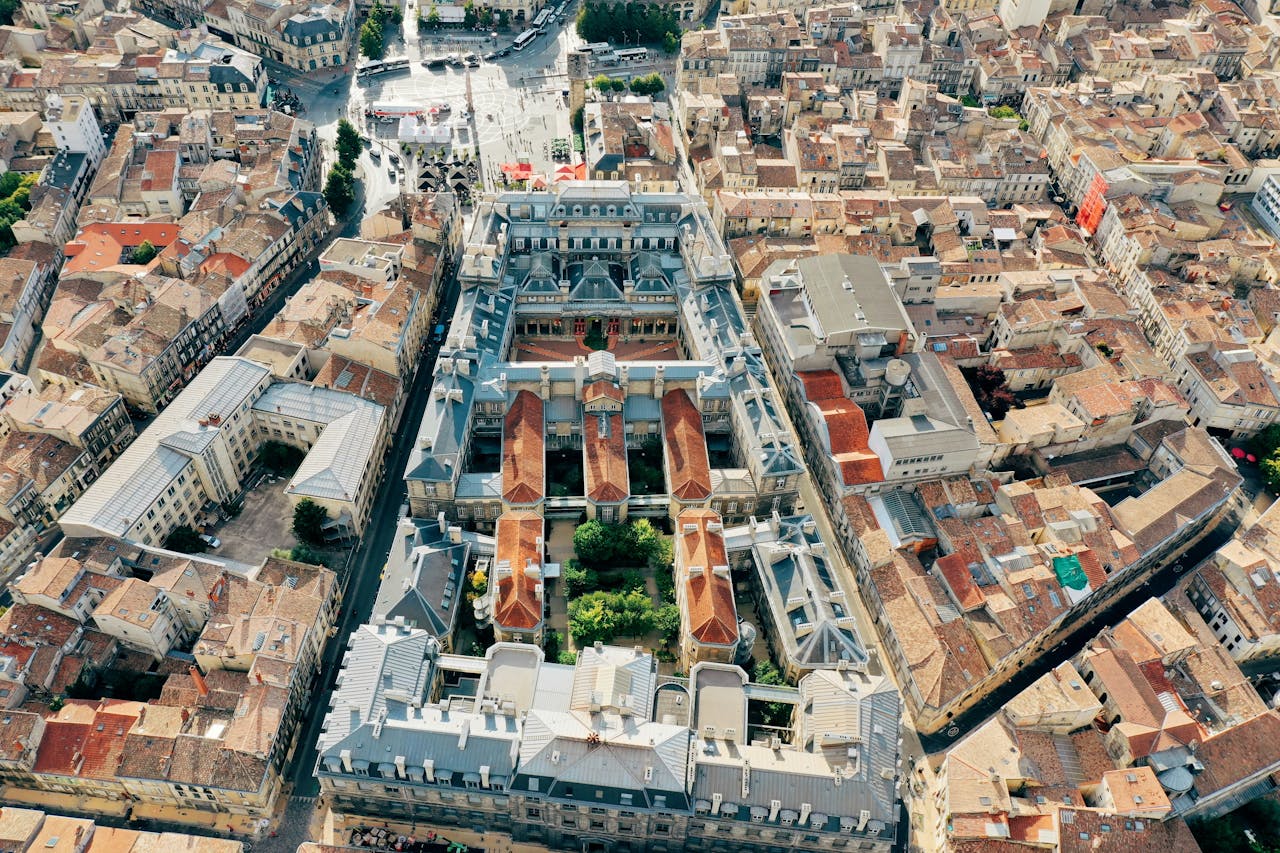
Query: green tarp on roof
x=1069, y=572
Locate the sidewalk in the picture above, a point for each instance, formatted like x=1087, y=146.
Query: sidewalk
x=153, y=817
x=336, y=829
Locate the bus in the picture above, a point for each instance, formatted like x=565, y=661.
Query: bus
x=378, y=67
x=523, y=40
x=632, y=54
x=595, y=47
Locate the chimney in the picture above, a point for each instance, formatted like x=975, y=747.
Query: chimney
x=774, y=807
x=345, y=755
x=400, y=766
x=201, y=687
x=484, y=775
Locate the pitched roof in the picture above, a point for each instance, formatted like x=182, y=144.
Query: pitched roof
x=847, y=432
x=519, y=598
x=688, y=465
x=605, y=453
x=713, y=617
x=523, y=461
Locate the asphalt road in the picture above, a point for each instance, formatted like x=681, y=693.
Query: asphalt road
x=360, y=584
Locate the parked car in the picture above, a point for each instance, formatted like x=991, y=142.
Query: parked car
x=212, y=541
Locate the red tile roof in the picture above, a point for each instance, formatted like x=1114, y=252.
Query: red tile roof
x=601, y=388
x=955, y=569
x=846, y=428
x=99, y=245
x=86, y=738
x=686, y=447
x=523, y=460
x=713, y=617
x=605, y=452
x=519, y=602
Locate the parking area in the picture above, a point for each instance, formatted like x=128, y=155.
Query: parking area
x=263, y=525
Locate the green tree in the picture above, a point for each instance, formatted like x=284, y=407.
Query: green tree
x=348, y=143
x=567, y=658
x=1003, y=112
x=371, y=42
x=184, y=540
x=469, y=16
x=504, y=19
x=649, y=84
x=308, y=521
x=144, y=253
x=396, y=15
x=602, y=82
x=602, y=616
x=303, y=553
x=378, y=13
x=777, y=714
x=618, y=85
x=666, y=619
x=1266, y=442
x=433, y=17
x=1270, y=470
x=764, y=672
x=280, y=458
x=552, y=642
x=670, y=44
x=340, y=188
x=578, y=579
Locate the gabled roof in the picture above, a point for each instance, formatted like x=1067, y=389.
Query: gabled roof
x=688, y=466
x=713, y=617
x=523, y=462
x=605, y=453
x=518, y=602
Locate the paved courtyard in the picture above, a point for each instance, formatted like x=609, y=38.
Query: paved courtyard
x=264, y=524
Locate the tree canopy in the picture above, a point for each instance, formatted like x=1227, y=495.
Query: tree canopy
x=602, y=616
x=340, y=188
x=144, y=253
x=630, y=23
x=348, y=143
x=308, y=521
x=184, y=540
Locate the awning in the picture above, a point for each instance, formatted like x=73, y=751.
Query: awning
x=1237, y=452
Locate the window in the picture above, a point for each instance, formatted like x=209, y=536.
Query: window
x=533, y=814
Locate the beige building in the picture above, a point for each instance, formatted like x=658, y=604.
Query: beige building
x=201, y=446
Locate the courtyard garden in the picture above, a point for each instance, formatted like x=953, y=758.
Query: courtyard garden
x=619, y=585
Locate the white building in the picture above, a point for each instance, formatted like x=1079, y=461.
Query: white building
x=200, y=449
x=74, y=126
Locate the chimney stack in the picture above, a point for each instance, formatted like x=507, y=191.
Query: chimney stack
x=201, y=687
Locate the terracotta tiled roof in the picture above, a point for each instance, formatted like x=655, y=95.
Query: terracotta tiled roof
x=713, y=618
x=686, y=447
x=955, y=569
x=523, y=462
x=601, y=388
x=519, y=602
x=605, y=453
x=1239, y=752
x=846, y=428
